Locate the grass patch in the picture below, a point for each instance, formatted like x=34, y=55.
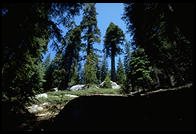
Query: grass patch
x=88, y=91
x=55, y=99
x=59, y=99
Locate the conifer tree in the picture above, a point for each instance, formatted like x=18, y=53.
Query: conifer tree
x=70, y=55
x=89, y=27
x=140, y=71
x=127, y=57
x=98, y=68
x=120, y=73
x=23, y=41
x=113, y=38
x=47, y=61
x=107, y=82
x=75, y=76
x=165, y=31
x=104, y=68
x=90, y=77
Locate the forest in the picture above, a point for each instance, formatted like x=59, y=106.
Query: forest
x=159, y=57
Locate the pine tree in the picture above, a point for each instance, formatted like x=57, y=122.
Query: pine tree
x=75, y=76
x=114, y=37
x=47, y=61
x=127, y=57
x=70, y=55
x=120, y=73
x=89, y=27
x=23, y=41
x=107, y=82
x=104, y=68
x=90, y=77
x=166, y=34
x=98, y=68
x=54, y=73
x=140, y=70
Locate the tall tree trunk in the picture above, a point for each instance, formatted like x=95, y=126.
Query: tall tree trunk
x=170, y=81
x=89, y=46
x=156, y=76
x=113, y=66
x=65, y=80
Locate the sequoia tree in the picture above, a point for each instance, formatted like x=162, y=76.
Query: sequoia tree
x=113, y=38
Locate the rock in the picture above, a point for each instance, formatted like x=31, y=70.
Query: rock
x=44, y=95
x=77, y=87
x=114, y=85
x=94, y=86
x=101, y=85
x=35, y=108
x=69, y=95
x=55, y=89
x=45, y=104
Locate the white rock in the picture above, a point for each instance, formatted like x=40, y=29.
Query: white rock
x=41, y=95
x=55, y=89
x=45, y=104
x=69, y=95
x=101, y=85
x=114, y=85
x=77, y=87
x=35, y=108
x=40, y=108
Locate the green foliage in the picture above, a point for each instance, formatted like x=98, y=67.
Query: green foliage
x=54, y=74
x=113, y=38
x=23, y=42
x=127, y=57
x=89, y=26
x=159, y=28
x=87, y=91
x=140, y=70
x=90, y=70
x=104, y=68
x=47, y=62
x=120, y=73
x=98, y=68
x=70, y=56
x=74, y=77
x=55, y=99
x=107, y=82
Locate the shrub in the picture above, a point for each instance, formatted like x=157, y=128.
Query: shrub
x=107, y=82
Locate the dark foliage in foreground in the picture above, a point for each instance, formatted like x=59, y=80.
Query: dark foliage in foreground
x=149, y=112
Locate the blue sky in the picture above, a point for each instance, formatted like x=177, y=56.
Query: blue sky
x=107, y=12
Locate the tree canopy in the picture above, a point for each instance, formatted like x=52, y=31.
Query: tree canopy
x=162, y=47
x=89, y=26
x=113, y=38
x=159, y=28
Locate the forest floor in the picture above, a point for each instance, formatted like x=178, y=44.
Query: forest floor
x=48, y=108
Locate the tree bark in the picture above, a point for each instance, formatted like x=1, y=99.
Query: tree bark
x=156, y=76
x=89, y=46
x=170, y=81
x=113, y=66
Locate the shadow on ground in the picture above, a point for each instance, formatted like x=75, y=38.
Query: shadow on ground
x=164, y=111
x=16, y=120
x=171, y=110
